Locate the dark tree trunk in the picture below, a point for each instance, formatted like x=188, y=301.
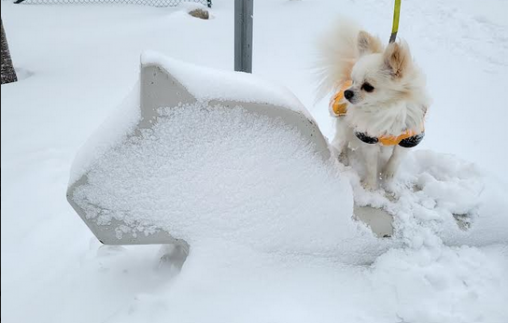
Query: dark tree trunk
x=8, y=72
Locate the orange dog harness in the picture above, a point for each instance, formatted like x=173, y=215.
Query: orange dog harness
x=408, y=138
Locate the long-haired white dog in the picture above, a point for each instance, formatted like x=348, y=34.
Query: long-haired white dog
x=385, y=95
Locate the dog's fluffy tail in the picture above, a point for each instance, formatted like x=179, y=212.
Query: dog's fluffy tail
x=337, y=53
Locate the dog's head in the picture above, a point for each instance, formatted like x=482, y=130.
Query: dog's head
x=381, y=76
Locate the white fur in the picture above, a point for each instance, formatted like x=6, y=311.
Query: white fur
x=336, y=56
x=398, y=103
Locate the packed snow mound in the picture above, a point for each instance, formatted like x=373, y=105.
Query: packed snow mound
x=441, y=196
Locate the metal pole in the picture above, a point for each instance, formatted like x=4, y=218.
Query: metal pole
x=243, y=35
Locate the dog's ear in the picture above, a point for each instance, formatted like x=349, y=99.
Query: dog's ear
x=368, y=44
x=397, y=59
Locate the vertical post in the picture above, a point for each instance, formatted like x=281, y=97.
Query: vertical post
x=243, y=35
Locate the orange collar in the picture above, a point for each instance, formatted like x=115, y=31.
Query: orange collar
x=338, y=106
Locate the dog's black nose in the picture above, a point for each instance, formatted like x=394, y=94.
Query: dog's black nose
x=348, y=94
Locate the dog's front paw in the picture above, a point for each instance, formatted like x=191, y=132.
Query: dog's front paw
x=388, y=174
x=369, y=185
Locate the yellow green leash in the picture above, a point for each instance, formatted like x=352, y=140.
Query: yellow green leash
x=396, y=16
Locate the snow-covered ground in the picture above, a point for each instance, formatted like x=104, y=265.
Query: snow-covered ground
x=78, y=62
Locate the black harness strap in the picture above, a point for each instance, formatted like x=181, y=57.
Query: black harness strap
x=412, y=141
x=366, y=139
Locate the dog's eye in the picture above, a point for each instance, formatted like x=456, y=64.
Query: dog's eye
x=367, y=87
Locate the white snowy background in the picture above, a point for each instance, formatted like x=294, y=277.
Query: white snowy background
x=76, y=63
